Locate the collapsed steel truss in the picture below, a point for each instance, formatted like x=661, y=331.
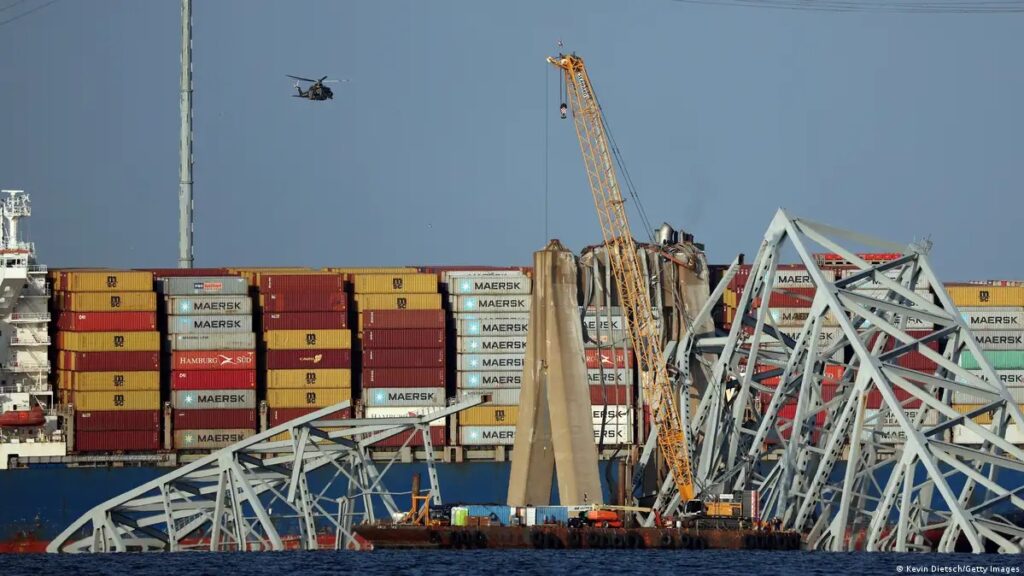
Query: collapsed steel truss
x=248, y=496
x=833, y=468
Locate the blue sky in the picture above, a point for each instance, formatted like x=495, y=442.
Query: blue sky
x=899, y=125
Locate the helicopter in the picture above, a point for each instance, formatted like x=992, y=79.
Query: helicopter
x=316, y=91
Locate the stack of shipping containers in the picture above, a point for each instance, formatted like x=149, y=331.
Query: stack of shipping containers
x=491, y=312
x=108, y=358
x=609, y=375
x=211, y=356
x=995, y=314
x=402, y=336
x=308, y=359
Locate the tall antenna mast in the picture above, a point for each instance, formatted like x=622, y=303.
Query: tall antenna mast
x=185, y=190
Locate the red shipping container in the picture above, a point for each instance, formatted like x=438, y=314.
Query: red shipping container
x=609, y=358
x=213, y=419
x=108, y=361
x=304, y=302
x=117, y=441
x=408, y=338
x=301, y=282
x=785, y=298
x=213, y=360
x=437, y=438
x=305, y=320
x=402, y=319
x=107, y=321
x=105, y=420
x=403, y=358
x=278, y=416
x=214, y=380
x=299, y=359
x=403, y=378
x=611, y=395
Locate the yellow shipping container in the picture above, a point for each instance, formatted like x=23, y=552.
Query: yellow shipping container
x=107, y=301
x=984, y=418
x=97, y=381
x=396, y=284
x=489, y=416
x=106, y=281
x=109, y=341
x=307, y=339
x=116, y=400
x=370, y=270
x=977, y=295
x=327, y=378
x=398, y=301
x=309, y=398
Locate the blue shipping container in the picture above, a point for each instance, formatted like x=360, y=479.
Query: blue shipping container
x=501, y=514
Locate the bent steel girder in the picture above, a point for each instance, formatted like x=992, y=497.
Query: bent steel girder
x=247, y=496
x=852, y=477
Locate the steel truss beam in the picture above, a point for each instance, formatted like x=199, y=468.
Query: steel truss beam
x=247, y=496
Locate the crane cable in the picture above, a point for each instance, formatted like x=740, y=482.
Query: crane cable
x=878, y=6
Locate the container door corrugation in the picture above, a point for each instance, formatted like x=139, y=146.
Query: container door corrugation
x=474, y=380
x=489, y=416
x=204, y=286
x=234, y=342
x=213, y=360
x=212, y=399
x=490, y=303
x=490, y=362
x=499, y=396
x=304, y=302
x=398, y=301
x=117, y=420
x=309, y=398
x=479, y=284
x=487, y=435
x=106, y=321
x=417, y=358
x=213, y=380
x=404, y=412
x=108, y=361
x=305, y=321
x=1000, y=339
x=493, y=326
x=107, y=302
x=116, y=400
x=306, y=359
x=106, y=281
x=226, y=324
x=999, y=359
x=405, y=397
x=964, y=295
x=403, y=378
x=410, y=338
x=611, y=395
x=314, y=282
x=608, y=358
x=395, y=283
x=414, y=438
x=308, y=339
x=96, y=381
x=491, y=344
x=208, y=305
x=108, y=341
x=213, y=419
x=401, y=319
x=209, y=439
x=311, y=378
x=117, y=440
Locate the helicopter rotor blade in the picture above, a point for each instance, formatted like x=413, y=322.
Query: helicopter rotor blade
x=301, y=78
x=322, y=79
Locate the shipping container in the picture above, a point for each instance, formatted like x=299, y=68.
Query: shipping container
x=372, y=270
x=613, y=434
x=105, y=281
x=304, y=302
x=500, y=324
x=117, y=441
x=401, y=319
x=491, y=345
x=209, y=305
x=415, y=283
x=318, y=282
x=489, y=416
x=490, y=379
x=214, y=419
x=490, y=303
x=491, y=362
x=203, y=286
x=999, y=359
x=500, y=515
x=307, y=339
x=107, y=301
x=487, y=435
x=108, y=341
x=212, y=342
x=892, y=273
x=178, y=272
x=597, y=321
x=1013, y=435
x=405, y=397
x=973, y=295
x=417, y=358
x=784, y=317
x=213, y=360
x=405, y=412
x=209, y=439
x=105, y=420
x=227, y=324
x=213, y=380
x=403, y=378
x=310, y=378
x=993, y=318
x=305, y=321
x=484, y=284
x=1016, y=392
x=278, y=416
x=97, y=381
x=305, y=359
x=1007, y=377
x=398, y=301
x=411, y=338
x=786, y=276
x=106, y=321
x=611, y=395
x=609, y=376
x=213, y=399
x=116, y=400
x=498, y=396
x=612, y=414
x=413, y=439
x=108, y=361
x=608, y=358
x=308, y=398
x=1000, y=339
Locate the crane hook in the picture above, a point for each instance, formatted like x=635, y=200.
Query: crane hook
x=563, y=110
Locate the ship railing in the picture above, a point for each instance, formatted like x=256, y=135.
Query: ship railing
x=43, y=390
x=30, y=341
x=26, y=367
x=28, y=317
x=38, y=269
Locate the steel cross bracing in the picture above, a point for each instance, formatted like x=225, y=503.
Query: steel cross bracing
x=849, y=476
x=254, y=494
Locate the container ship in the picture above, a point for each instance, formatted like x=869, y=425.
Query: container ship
x=109, y=378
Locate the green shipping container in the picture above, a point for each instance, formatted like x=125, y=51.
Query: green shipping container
x=1000, y=359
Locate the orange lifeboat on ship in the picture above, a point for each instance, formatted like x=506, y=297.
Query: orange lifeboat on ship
x=19, y=418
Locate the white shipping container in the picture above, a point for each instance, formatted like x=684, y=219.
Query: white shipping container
x=882, y=294
x=604, y=323
x=471, y=380
x=491, y=344
x=1017, y=392
x=490, y=362
x=786, y=317
x=499, y=396
x=492, y=324
x=237, y=341
x=487, y=435
x=980, y=318
x=209, y=305
x=962, y=435
x=892, y=274
x=490, y=303
x=220, y=324
x=209, y=439
x=614, y=434
x=203, y=285
x=483, y=284
x=610, y=376
x=891, y=431
x=826, y=337
x=622, y=415
x=797, y=278
x=405, y=397
x=404, y=412
x=1010, y=378
x=912, y=324
x=212, y=399
x=1000, y=339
